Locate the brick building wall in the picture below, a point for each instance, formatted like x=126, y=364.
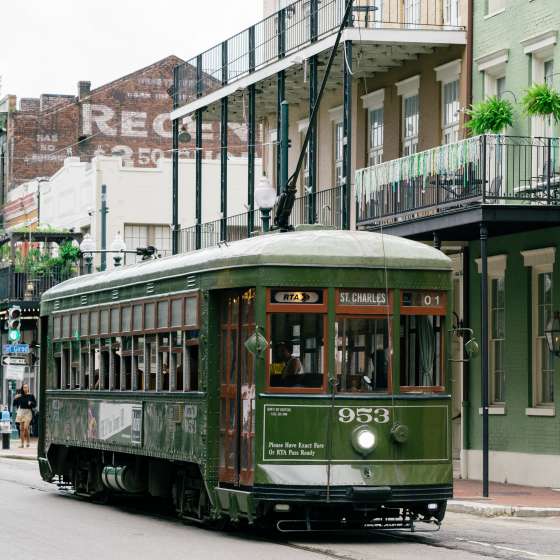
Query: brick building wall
x=126, y=117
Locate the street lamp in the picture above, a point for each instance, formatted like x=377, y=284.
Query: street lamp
x=552, y=333
x=265, y=198
x=87, y=248
x=39, y=181
x=118, y=248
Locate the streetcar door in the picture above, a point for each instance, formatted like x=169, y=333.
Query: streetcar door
x=237, y=388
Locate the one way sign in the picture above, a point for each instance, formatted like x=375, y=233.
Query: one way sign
x=14, y=361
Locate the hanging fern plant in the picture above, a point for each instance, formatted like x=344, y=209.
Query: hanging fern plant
x=542, y=101
x=490, y=116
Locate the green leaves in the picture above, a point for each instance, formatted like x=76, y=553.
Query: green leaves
x=542, y=101
x=492, y=115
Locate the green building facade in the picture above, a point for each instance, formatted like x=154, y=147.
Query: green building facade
x=515, y=44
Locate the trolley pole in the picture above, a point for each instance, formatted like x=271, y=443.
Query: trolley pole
x=484, y=380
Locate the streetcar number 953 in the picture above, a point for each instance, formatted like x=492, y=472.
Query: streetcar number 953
x=363, y=415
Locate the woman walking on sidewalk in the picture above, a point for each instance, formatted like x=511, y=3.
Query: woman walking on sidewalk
x=24, y=403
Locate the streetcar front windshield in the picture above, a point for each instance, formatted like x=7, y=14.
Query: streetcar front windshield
x=296, y=351
x=362, y=354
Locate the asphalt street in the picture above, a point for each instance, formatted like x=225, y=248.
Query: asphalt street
x=38, y=521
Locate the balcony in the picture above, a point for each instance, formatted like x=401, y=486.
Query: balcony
x=322, y=207
x=17, y=285
x=307, y=27
x=488, y=177
x=31, y=267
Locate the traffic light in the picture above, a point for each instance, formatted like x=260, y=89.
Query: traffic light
x=14, y=323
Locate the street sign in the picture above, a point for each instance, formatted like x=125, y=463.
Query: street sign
x=15, y=348
x=15, y=361
x=14, y=372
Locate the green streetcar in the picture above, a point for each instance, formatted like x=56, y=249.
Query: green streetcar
x=297, y=379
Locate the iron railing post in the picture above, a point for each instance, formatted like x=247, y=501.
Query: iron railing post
x=484, y=178
x=548, y=167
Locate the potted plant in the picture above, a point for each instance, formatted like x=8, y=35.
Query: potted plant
x=541, y=100
x=492, y=115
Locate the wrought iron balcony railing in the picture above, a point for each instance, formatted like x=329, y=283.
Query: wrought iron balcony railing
x=17, y=284
x=298, y=25
x=323, y=207
x=487, y=169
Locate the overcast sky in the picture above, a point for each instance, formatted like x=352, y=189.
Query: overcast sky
x=48, y=46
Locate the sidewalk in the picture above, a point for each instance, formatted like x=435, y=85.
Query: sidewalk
x=504, y=500
x=16, y=452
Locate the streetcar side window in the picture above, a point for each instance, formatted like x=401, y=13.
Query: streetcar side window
x=297, y=352
x=362, y=357
x=421, y=351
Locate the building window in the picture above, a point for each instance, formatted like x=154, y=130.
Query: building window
x=494, y=6
x=375, y=136
x=411, y=117
x=142, y=235
x=450, y=117
x=500, y=86
x=373, y=104
x=541, y=262
x=544, y=370
x=338, y=154
x=548, y=72
x=497, y=339
x=496, y=328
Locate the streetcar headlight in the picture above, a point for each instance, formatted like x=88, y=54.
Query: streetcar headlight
x=364, y=440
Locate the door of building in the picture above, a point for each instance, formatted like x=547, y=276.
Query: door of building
x=237, y=388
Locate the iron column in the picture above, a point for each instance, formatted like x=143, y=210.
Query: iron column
x=198, y=178
x=251, y=138
x=347, y=135
x=484, y=379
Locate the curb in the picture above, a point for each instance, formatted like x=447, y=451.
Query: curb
x=490, y=510
x=16, y=456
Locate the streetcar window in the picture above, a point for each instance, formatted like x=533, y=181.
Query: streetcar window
x=94, y=322
x=137, y=318
x=149, y=316
x=126, y=316
x=362, y=354
x=176, y=312
x=421, y=351
x=66, y=326
x=191, y=311
x=115, y=320
x=84, y=324
x=75, y=325
x=296, y=354
x=163, y=314
x=57, y=327
x=104, y=321
x=57, y=381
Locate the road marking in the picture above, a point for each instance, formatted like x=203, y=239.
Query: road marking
x=499, y=547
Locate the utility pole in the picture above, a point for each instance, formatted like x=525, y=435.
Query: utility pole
x=104, y=211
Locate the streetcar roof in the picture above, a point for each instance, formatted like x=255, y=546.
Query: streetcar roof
x=316, y=248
